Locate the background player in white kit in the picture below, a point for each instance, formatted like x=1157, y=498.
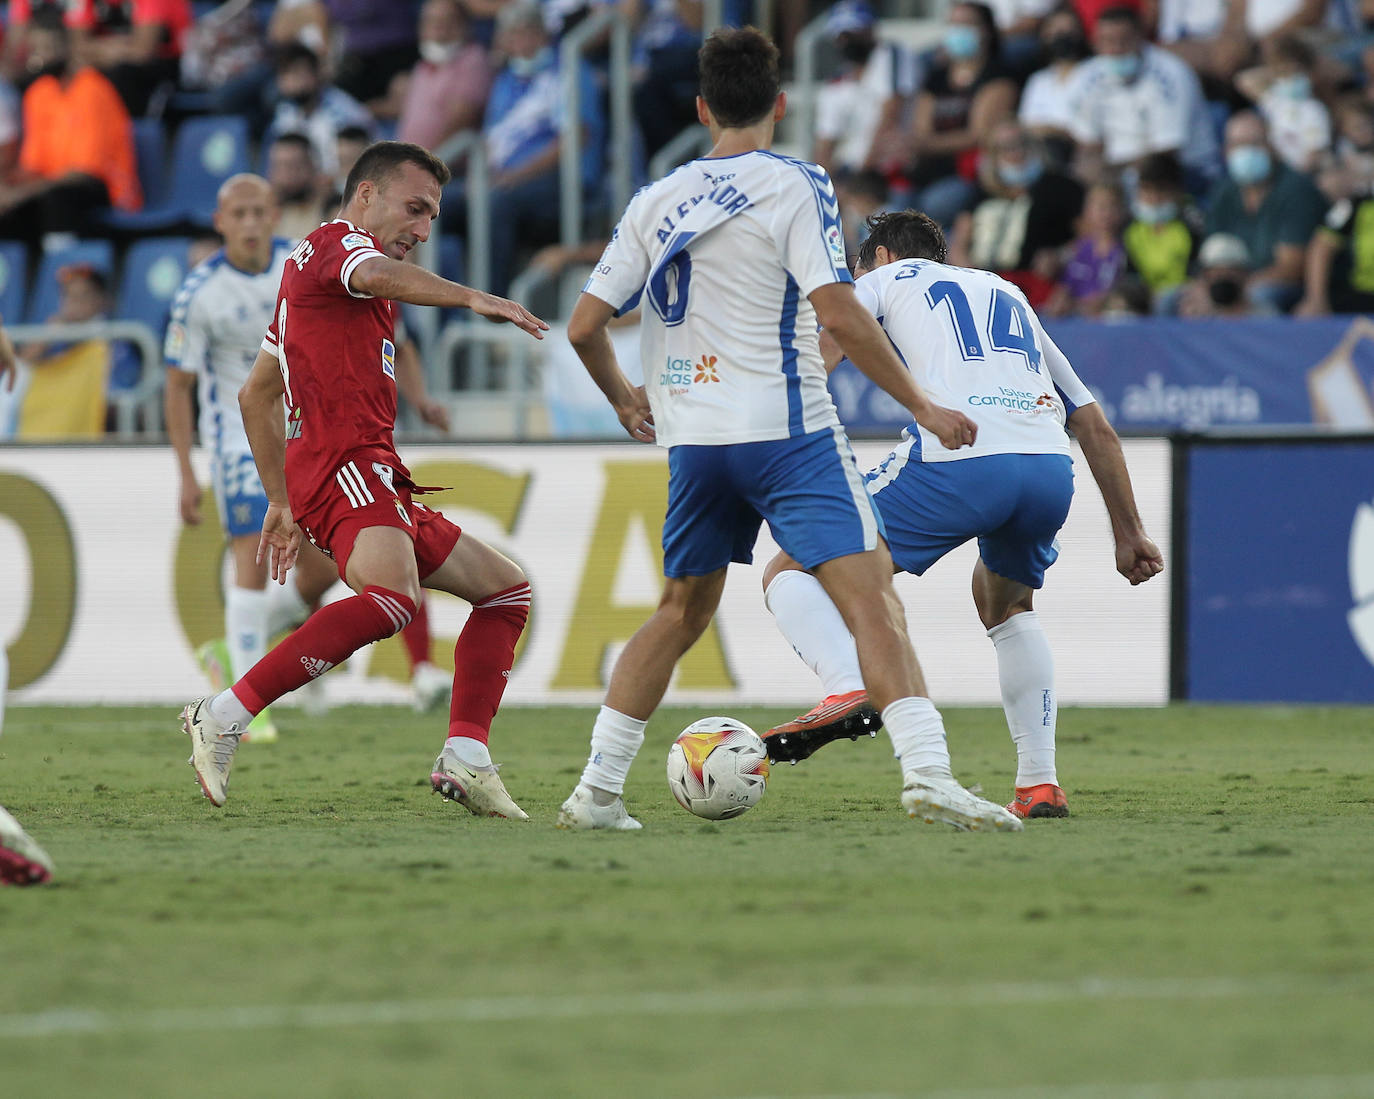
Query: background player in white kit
x=973, y=342
x=739, y=254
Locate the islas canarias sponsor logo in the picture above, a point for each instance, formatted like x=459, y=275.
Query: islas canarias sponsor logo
x=1022, y=401
x=679, y=374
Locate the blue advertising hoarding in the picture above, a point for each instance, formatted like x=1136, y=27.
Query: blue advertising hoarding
x=1279, y=558
x=1169, y=375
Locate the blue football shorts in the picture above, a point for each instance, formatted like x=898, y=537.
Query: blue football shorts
x=239, y=494
x=808, y=488
x=1014, y=504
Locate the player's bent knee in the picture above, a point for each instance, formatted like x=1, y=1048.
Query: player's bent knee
x=393, y=609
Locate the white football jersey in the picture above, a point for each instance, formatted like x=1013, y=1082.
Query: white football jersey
x=219, y=318
x=725, y=251
x=973, y=343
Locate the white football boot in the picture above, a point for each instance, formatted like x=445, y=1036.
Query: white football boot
x=935, y=798
x=429, y=686
x=580, y=813
x=212, y=749
x=479, y=791
x=22, y=862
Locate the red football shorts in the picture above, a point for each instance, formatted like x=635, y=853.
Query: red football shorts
x=365, y=494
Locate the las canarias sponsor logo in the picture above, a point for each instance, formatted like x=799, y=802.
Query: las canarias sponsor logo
x=680, y=374
x=1021, y=401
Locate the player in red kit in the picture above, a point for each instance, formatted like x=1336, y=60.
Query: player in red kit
x=332, y=475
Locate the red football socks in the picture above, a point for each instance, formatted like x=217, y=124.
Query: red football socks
x=330, y=635
x=483, y=658
x=415, y=637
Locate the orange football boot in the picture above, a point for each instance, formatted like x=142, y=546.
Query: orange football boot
x=837, y=716
x=1045, y=800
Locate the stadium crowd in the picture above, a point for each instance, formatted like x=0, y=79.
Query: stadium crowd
x=1171, y=157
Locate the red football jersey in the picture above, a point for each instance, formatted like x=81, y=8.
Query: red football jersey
x=337, y=354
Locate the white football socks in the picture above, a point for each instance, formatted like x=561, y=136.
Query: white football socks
x=1025, y=669
x=812, y=625
x=616, y=739
x=226, y=709
x=471, y=751
x=245, y=628
x=4, y=683
x=918, y=736
x=286, y=609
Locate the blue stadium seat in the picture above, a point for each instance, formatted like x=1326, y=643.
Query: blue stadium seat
x=46, y=293
x=153, y=271
x=14, y=262
x=150, y=149
x=206, y=151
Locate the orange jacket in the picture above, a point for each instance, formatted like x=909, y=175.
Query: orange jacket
x=81, y=127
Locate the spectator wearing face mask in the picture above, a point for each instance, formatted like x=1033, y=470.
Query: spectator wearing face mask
x=446, y=92
x=1219, y=289
x=859, y=112
x=962, y=96
x=1163, y=235
x=1272, y=209
x=308, y=104
x=1298, y=122
x=1024, y=213
x=1134, y=99
x=1048, y=99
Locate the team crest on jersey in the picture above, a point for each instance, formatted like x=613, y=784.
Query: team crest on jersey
x=389, y=359
x=293, y=425
x=355, y=240
x=706, y=370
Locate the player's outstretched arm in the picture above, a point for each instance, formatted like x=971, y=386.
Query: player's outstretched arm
x=865, y=343
x=589, y=338
x=1137, y=557
x=179, y=412
x=260, y=401
x=383, y=277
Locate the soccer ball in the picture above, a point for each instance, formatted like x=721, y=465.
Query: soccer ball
x=717, y=768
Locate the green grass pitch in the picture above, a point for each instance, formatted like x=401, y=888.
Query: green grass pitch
x=1203, y=925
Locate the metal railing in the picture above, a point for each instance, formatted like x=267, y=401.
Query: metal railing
x=144, y=398
x=497, y=403
x=620, y=144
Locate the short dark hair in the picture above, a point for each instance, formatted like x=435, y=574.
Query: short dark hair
x=1161, y=170
x=383, y=159
x=49, y=19
x=296, y=53
x=353, y=133
x=907, y=234
x=295, y=140
x=738, y=67
x=1123, y=14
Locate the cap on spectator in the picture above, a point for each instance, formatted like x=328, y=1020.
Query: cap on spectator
x=1223, y=250
x=848, y=16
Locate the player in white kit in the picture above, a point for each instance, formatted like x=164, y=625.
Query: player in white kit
x=973, y=342
x=738, y=255
x=218, y=319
